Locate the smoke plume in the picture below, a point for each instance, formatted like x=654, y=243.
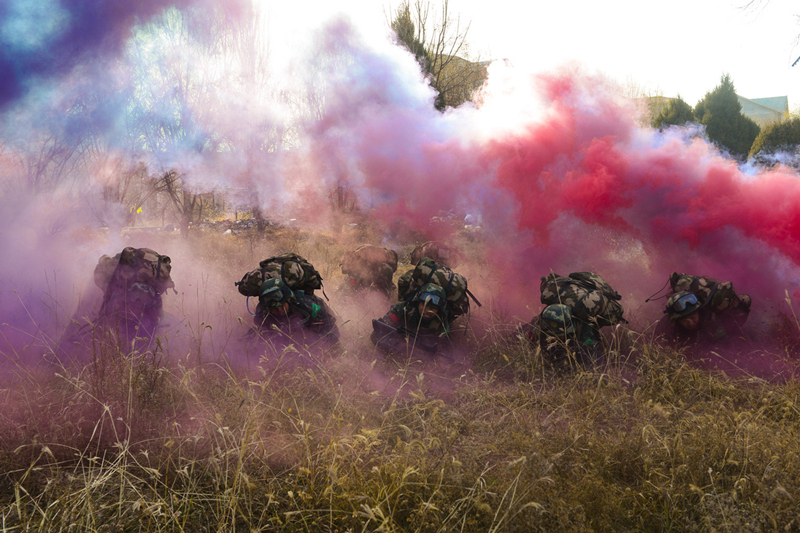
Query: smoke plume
x=100, y=97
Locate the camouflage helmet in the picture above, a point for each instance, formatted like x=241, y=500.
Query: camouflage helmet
x=274, y=293
x=432, y=295
x=681, y=304
x=557, y=319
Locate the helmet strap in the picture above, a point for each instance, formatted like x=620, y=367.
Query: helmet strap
x=659, y=290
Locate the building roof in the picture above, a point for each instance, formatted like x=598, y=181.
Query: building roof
x=764, y=111
x=778, y=103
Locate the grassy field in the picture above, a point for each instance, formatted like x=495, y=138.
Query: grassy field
x=208, y=431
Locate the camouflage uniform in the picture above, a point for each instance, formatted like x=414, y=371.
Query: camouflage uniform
x=137, y=306
x=588, y=297
x=282, y=310
x=588, y=302
x=292, y=269
x=714, y=296
x=584, y=347
x=404, y=321
x=306, y=314
x=428, y=271
x=406, y=314
x=720, y=310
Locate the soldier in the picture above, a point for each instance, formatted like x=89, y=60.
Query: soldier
x=437, y=251
x=133, y=282
x=421, y=321
x=293, y=313
x=369, y=268
x=577, y=307
x=702, y=308
x=431, y=297
x=131, y=309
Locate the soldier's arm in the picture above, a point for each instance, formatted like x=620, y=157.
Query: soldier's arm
x=385, y=335
x=587, y=335
x=396, y=315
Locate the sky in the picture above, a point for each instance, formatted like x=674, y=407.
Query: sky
x=678, y=48
x=681, y=48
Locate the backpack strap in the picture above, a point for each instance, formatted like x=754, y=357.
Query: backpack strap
x=107, y=293
x=428, y=279
x=449, y=282
x=473, y=297
x=283, y=278
x=592, y=286
x=445, y=322
x=410, y=296
x=710, y=295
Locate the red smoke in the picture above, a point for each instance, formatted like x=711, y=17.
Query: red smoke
x=691, y=208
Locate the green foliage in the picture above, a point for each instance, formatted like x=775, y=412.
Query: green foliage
x=677, y=112
x=721, y=113
x=406, y=32
x=777, y=137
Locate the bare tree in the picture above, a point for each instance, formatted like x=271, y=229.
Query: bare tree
x=446, y=50
x=48, y=162
x=649, y=101
x=188, y=204
x=119, y=189
x=754, y=6
x=183, y=113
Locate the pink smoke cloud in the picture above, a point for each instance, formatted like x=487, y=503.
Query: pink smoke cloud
x=571, y=183
x=691, y=208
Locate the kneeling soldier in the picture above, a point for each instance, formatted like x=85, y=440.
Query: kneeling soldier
x=702, y=308
x=420, y=322
x=293, y=312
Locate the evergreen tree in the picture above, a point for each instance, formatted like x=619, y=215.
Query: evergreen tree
x=406, y=32
x=721, y=113
x=777, y=137
x=676, y=112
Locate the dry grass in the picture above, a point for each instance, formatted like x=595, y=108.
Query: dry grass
x=298, y=440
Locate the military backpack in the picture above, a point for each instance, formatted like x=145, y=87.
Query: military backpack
x=134, y=265
x=367, y=260
x=293, y=269
x=589, y=297
x=715, y=295
x=428, y=271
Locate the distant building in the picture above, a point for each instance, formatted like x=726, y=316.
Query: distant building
x=765, y=111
